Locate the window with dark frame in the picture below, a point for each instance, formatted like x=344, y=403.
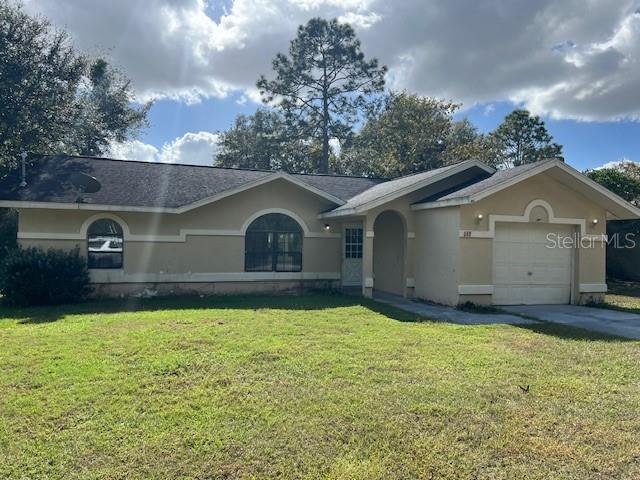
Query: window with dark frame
x=105, y=244
x=353, y=243
x=273, y=243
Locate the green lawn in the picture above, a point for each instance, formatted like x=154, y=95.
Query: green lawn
x=309, y=387
x=623, y=296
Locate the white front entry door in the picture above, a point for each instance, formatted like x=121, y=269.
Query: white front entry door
x=352, y=255
x=525, y=270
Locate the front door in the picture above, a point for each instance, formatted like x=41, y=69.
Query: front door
x=352, y=255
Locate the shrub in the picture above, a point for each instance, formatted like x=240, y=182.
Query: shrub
x=8, y=232
x=34, y=277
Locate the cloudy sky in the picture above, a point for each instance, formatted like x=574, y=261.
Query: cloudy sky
x=576, y=62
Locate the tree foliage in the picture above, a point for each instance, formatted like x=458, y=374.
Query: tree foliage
x=324, y=85
x=410, y=134
x=623, y=182
x=631, y=168
x=55, y=99
x=104, y=111
x=260, y=141
x=523, y=138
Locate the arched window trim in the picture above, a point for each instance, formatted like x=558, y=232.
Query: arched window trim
x=110, y=216
x=273, y=249
x=283, y=211
x=97, y=259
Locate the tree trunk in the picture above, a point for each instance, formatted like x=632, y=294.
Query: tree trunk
x=323, y=164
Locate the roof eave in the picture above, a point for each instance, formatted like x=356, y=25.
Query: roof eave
x=454, y=202
x=361, y=209
x=84, y=206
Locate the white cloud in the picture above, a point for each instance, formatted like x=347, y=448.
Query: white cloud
x=195, y=148
x=192, y=148
x=568, y=58
x=617, y=163
x=134, y=150
x=488, y=109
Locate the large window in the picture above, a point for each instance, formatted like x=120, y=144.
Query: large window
x=105, y=244
x=273, y=243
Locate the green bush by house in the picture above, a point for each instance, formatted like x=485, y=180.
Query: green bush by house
x=36, y=277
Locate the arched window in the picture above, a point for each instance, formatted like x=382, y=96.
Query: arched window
x=105, y=243
x=273, y=243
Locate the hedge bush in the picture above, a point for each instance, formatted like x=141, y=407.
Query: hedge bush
x=36, y=277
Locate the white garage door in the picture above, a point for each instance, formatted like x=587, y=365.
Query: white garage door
x=525, y=270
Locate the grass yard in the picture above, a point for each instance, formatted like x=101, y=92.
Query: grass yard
x=309, y=387
x=623, y=296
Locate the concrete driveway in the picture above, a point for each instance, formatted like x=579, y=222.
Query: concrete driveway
x=438, y=312
x=602, y=320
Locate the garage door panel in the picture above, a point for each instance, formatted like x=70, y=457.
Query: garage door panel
x=525, y=270
x=557, y=294
x=510, y=295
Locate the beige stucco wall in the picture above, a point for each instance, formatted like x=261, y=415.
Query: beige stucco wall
x=402, y=206
x=566, y=203
x=230, y=213
x=221, y=252
x=476, y=254
x=437, y=259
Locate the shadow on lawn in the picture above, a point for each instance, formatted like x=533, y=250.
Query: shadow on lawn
x=36, y=315
x=568, y=332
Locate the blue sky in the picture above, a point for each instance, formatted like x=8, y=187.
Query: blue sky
x=575, y=63
x=586, y=144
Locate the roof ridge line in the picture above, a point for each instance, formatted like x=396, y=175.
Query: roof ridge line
x=219, y=167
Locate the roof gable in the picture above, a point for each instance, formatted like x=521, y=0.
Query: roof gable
x=396, y=188
x=562, y=172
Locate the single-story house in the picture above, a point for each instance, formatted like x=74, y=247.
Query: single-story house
x=461, y=233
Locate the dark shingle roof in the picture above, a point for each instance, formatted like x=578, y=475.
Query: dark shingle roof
x=386, y=188
x=500, y=176
x=402, y=185
x=144, y=184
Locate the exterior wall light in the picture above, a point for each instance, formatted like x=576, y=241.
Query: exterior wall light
x=327, y=227
x=595, y=222
x=479, y=217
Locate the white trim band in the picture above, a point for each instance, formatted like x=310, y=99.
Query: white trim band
x=119, y=276
x=593, y=288
x=526, y=218
x=180, y=238
x=475, y=289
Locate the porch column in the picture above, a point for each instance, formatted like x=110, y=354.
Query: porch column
x=409, y=279
x=367, y=256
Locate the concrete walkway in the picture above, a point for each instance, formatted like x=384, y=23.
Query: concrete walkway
x=447, y=314
x=613, y=322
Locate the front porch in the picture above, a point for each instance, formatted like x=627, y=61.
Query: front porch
x=377, y=253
